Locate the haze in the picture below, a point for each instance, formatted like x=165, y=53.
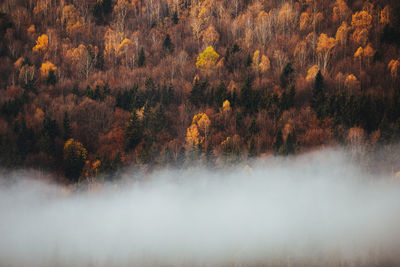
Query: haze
x=315, y=209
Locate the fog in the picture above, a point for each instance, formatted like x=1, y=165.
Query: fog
x=315, y=209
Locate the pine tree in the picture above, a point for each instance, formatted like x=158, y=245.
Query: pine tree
x=133, y=133
x=167, y=44
x=318, y=101
x=142, y=58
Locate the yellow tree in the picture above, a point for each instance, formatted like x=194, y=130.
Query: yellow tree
x=226, y=107
x=358, y=55
x=369, y=52
x=325, y=47
x=193, y=138
x=393, y=67
x=352, y=82
x=256, y=59
x=312, y=73
x=207, y=60
x=265, y=64
x=305, y=21
x=42, y=44
x=83, y=58
x=361, y=19
x=46, y=68
x=385, y=15
x=342, y=32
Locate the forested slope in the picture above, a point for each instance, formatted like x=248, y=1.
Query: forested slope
x=89, y=86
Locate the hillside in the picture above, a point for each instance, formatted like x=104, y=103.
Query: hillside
x=87, y=87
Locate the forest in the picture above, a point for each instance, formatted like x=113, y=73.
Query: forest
x=88, y=87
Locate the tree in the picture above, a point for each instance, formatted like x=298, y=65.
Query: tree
x=46, y=68
x=287, y=76
x=318, y=96
x=167, y=44
x=325, y=46
x=71, y=19
x=42, y=44
x=67, y=131
x=75, y=155
x=210, y=36
x=133, y=132
x=142, y=58
x=207, y=60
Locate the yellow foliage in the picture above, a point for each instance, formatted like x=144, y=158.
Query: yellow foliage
x=352, y=82
x=42, y=44
x=226, y=106
x=342, y=32
x=305, y=21
x=256, y=58
x=208, y=59
x=312, y=73
x=46, y=67
x=359, y=53
x=393, y=67
x=361, y=19
x=325, y=43
x=75, y=147
x=265, y=64
x=360, y=36
x=113, y=41
x=385, y=15
x=193, y=137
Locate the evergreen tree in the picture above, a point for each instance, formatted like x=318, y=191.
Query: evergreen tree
x=175, y=17
x=133, y=133
x=75, y=155
x=318, y=101
x=142, y=58
x=167, y=44
x=287, y=76
x=67, y=131
x=98, y=13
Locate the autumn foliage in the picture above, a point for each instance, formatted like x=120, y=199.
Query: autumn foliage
x=97, y=85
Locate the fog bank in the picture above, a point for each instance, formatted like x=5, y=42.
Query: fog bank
x=313, y=209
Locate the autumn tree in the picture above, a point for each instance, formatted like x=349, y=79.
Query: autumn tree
x=207, y=60
x=42, y=44
x=75, y=155
x=325, y=47
x=46, y=68
x=71, y=19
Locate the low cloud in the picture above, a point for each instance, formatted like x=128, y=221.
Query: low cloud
x=315, y=209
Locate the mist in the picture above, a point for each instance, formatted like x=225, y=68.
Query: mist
x=314, y=209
